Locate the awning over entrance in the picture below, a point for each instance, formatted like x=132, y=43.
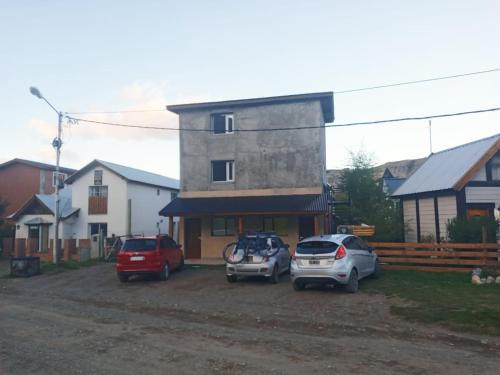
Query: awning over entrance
x=275, y=204
x=37, y=221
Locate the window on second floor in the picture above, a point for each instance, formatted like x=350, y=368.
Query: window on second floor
x=173, y=195
x=495, y=168
x=223, y=171
x=98, y=191
x=223, y=123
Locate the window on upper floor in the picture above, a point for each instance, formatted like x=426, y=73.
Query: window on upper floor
x=222, y=123
x=223, y=171
x=173, y=195
x=62, y=177
x=98, y=191
x=98, y=177
x=495, y=168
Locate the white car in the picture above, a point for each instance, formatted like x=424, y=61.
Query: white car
x=337, y=259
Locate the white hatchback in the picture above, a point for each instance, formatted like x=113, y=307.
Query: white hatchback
x=337, y=259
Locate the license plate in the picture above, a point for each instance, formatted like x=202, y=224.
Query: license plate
x=135, y=259
x=314, y=261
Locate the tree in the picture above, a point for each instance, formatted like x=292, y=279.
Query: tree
x=5, y=229
x=369, y=204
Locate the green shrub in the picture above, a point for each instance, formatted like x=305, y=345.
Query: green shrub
x=470, y=230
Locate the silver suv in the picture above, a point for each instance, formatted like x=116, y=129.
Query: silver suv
x=258, y=254
x=337, y=259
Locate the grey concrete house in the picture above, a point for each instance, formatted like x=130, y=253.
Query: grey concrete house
x=235, y=179
x=461, y=181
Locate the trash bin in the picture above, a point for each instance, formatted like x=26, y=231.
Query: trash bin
x=24, y=266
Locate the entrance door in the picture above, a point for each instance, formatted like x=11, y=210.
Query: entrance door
x=306, y=226
x=192, y=238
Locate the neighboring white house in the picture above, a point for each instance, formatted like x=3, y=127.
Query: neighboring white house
x=119, y=200
x=463, y=181
x=101, y=197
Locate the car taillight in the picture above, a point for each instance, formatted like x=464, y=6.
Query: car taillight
x=294, y=257
x=340, y=253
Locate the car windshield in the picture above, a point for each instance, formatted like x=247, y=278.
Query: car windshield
x=142, y=244
x=316, y=247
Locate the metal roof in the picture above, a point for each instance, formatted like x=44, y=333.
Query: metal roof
x=36, y=164
x=37, y=221
x=311, y=203
x=131, y=174
x=326, y=99
x=443, y=170
x=49, y=201
x=64, y=202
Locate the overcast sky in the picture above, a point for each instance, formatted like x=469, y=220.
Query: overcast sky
x=128, y=55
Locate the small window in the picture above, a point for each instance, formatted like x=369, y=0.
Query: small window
x=62, y=177
x=223, y=226
x=223, y=171
x=173, y=195
x=98, y=191
x=157, y=191
x=98, y=177
x=223, y=123
x=495, y=168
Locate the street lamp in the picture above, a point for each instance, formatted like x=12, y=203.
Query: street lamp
x=56, y=143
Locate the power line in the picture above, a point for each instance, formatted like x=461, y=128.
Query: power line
x=114, y=112
x=78, y=120
x=336, y=92
x=417, y=81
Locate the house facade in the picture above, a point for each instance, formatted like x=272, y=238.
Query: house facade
x=463, y=181
x=101, y=198
x=239, y=174
x=20, y=179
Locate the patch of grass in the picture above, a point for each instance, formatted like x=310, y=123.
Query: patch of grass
x=51, y=268
x=449, y=299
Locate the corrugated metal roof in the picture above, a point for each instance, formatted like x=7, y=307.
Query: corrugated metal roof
x=64, y=202
x=131, y=174
x=311, y=203
x=444, y=169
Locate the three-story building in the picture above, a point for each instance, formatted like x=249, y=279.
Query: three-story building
x=251, y=165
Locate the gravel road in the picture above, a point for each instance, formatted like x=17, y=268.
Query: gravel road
x=86, y=322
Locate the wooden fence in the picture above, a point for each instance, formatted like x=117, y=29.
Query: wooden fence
x=438, y=257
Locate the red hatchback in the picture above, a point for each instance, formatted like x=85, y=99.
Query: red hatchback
x=149, y=255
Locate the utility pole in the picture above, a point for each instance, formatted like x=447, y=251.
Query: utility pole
x=56, y=143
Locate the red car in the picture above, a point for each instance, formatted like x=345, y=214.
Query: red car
x=158, y=256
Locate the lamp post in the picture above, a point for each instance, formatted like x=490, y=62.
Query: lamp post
x=56, y=143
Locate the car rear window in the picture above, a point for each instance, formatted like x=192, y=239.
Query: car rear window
x=139, y=245
x=316, y=247
x=255, y=243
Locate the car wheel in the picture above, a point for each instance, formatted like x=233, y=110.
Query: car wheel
x=123, y=278
x=377, y=272
x=275, y=276
x=164, y=275
x=298, y=286
x=352, y=284
x=231, y=278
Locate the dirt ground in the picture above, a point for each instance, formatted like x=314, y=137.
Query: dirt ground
x=85, y=321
